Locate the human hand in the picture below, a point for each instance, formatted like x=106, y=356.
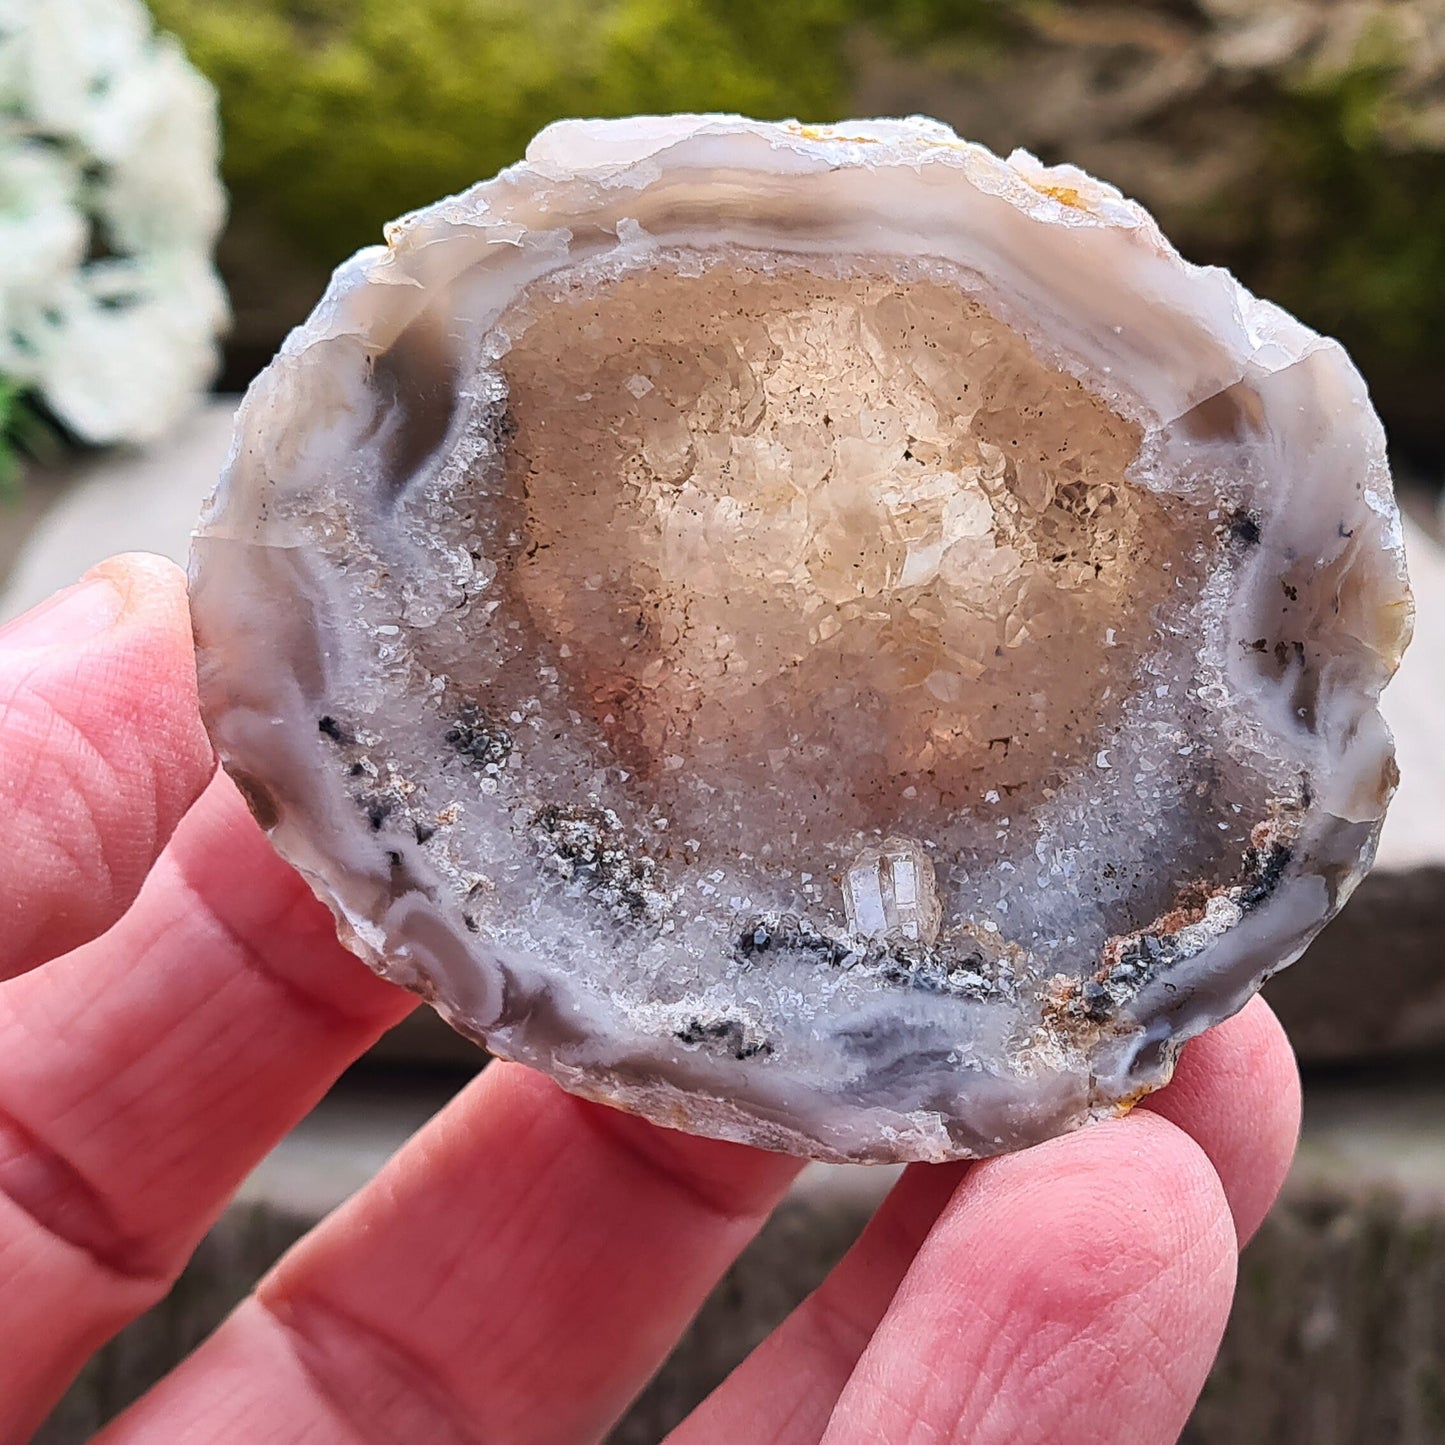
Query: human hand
x=174, y=1000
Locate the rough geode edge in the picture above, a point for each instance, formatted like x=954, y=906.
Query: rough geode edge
x=1255, y=365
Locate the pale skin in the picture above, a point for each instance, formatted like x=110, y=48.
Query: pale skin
x=172, y=1001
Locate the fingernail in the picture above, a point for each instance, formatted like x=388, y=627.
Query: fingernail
x=68, y=619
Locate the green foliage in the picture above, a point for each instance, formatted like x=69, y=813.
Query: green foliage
x=977, y=24
x=24, y=433
x=10, y=471
x=340, y=114
x=1350, y=232
x=1376, y=231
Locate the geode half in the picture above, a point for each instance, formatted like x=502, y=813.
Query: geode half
x=821, y=637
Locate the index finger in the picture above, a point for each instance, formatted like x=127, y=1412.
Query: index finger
x=145, y=1070
x=101, y=753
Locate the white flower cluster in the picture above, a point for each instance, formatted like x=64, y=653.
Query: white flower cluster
x=110, y=205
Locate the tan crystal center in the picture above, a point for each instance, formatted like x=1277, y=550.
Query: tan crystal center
x=849, y=531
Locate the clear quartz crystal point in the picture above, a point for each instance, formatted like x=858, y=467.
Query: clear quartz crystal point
x=818, y=636
x=890, y=892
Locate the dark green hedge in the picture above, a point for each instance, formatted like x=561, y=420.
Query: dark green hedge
x=341, y=114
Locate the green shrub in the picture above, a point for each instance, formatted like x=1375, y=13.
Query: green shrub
x=340, y=114
x=1355, y=241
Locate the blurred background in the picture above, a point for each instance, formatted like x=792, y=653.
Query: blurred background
x=1301, y=143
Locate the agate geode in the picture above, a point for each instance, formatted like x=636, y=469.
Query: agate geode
x=821, y=637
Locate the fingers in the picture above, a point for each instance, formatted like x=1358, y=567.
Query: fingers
x=377, y=1320
x=1236, y=1092
x=1074, y=1294
x=784, y=1392
x=516, y=1273
x=145, y=1074
x=101, y=753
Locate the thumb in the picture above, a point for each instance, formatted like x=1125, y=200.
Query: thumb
x=101, y=752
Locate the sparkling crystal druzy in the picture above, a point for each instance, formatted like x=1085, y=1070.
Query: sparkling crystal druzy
x=820, y=637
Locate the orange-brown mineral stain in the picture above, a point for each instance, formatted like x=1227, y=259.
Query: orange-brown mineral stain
x=1070, y=196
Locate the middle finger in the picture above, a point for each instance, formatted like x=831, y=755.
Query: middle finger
x=145, y=1074
x=516, y=1273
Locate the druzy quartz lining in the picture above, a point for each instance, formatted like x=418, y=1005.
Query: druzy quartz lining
x=822, y=637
